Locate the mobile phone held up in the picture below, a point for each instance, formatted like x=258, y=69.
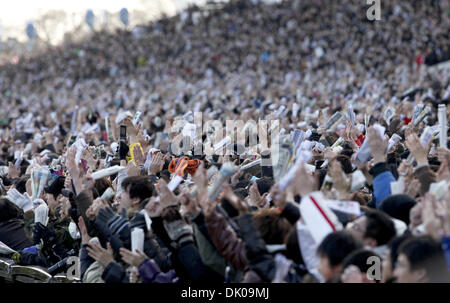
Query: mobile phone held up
x=123, y=133
x=123, y=148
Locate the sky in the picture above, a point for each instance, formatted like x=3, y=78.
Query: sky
x=15, y=14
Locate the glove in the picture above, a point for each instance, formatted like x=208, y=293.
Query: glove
x=22, y=201
x=104, y=215
x=177, y=229
x=101, y=222
x=41, y=232
x=116, y=244
x=138, y=221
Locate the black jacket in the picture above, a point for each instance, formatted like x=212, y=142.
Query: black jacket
x=186, y=259
x=12, y=233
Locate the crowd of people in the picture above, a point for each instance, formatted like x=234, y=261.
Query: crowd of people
x=99, y=160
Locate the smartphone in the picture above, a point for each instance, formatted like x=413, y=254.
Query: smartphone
x=123, y=132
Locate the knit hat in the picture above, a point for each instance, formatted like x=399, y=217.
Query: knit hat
x=56, y=186
x=398, y=206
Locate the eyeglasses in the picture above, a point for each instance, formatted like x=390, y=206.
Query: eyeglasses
x=356, y=227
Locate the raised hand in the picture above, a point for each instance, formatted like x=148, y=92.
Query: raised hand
x=189, y=205
x=138, y=156
x=236, y=176
x=99, y=254
x=132, y=169
x=132, y=258
x=378, y=146
x=443, y=172
x=88, y=155
x=13, y=172
x=200, y=179
x=431, y=221
x=405, y=169
x=153, y=208
x=234, y=200
x=443, y=153
x=83, y=231
x=254, y=195
x=340, y=180
x=417, y=150
x=166, y=197
x=156, y=164
x=304, y=183
x=278, y=196
x=412, y=188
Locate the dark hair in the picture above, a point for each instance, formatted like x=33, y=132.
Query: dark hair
x=241, y=193
x=264, y=184
x=424, y=252
x=379, y=227
x=101, y=185
x=393, y=245
x=229, y=208
x=398, y=206
x=56, y=186
x=21, y=184
x=359, y=258
x=241, y=184
x=347, y=150
x=138, y=186
x=293, y=247
x=8, y=210
x=346, y=163
x=272, y=226
x=322, y=172
x=336, y=246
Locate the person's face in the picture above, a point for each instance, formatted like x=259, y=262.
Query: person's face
x=52, y=203
x=387, y=272
x=68, y=183
x=358, y=227
x=125, y=201
x=326, y=270
x=404, y=274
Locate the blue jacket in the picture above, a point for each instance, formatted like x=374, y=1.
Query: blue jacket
x=382, y=178
x=445, y=241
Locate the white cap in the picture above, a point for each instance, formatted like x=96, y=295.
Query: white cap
x=400, y=226
x=115, y=147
